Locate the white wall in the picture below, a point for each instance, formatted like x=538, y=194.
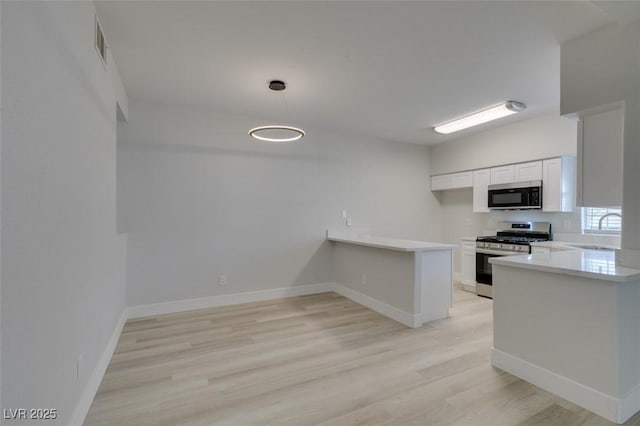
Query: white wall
x=61, y=292
x=1, y=213
x=539, y=137
x=199, y=199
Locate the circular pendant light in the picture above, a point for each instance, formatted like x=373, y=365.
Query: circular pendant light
x=277, y=133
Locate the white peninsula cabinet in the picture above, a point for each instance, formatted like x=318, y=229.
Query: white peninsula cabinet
x=600, y=140
x=569, y=322
x=406, y=280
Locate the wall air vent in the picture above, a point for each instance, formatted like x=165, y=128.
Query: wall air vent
x=101, y=42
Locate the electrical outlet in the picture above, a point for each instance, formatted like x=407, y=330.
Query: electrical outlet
x=363, y=279
x=349, y=221
x=222, y=280
x=344, y=214
x=79, y=366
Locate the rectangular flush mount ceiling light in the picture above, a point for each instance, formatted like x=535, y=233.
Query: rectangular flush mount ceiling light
x=480, y=117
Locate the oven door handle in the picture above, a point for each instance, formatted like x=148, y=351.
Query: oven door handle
x=499, y=252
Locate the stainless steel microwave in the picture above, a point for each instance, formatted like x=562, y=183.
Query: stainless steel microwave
x=516, y=196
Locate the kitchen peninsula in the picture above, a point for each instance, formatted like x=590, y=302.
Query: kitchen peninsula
x=568, y=321
x=406, y=280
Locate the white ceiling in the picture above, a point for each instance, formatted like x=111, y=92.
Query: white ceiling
x=389, y=69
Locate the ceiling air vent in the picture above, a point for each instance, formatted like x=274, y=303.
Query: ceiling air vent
x=101, y=42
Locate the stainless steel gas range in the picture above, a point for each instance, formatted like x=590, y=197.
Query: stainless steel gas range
x=512, y=238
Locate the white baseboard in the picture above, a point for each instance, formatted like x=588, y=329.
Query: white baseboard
x=91, y=388
x=470, y=287
x=602, y=404
x=141, y=311
x=410, y=320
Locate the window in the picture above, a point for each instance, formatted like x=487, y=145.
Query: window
x=591, y=220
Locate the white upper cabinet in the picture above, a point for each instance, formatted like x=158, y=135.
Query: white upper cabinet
x=557, y=175
x=503, y=174
x=440, y=182
x=600, y=141
x=462, y=180
x=528, y=171
x=452, y=181
x=481, y=180
x=558, y=183
x=516, y=172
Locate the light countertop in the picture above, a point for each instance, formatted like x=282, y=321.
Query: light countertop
x=385, y=242
x=561, y=245
x=596, y=264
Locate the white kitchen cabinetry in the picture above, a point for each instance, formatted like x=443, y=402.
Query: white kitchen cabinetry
x=502, y=174
x=481, y=180
x=599, y=177
x=468, y=265
x=557, y=175
x=440, y=182
x=558, y=183
x=528, y=171
x=452, y=181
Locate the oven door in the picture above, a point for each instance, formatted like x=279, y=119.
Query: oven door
x=483, y=267
x=511, y=196
x=484, y=275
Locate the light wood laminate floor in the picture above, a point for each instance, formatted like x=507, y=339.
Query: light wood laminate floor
x=318, y=360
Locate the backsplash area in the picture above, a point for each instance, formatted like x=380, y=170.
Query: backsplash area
x=460, y=221
x=564, y=226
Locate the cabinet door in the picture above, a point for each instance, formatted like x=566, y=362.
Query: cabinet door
x=528, y=171
x=481, y=179
x=552, y=185
x=452, y=181
x=438, y=183
x=502, y=174
x=468, y=265
x=462, y=180
x=600, y=140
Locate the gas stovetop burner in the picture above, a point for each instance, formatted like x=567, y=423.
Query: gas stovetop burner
x=521, y=233
x=510, y=239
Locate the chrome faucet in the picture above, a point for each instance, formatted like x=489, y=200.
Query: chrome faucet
x=605, y=215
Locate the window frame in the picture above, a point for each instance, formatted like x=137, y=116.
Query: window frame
x=592, y=228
